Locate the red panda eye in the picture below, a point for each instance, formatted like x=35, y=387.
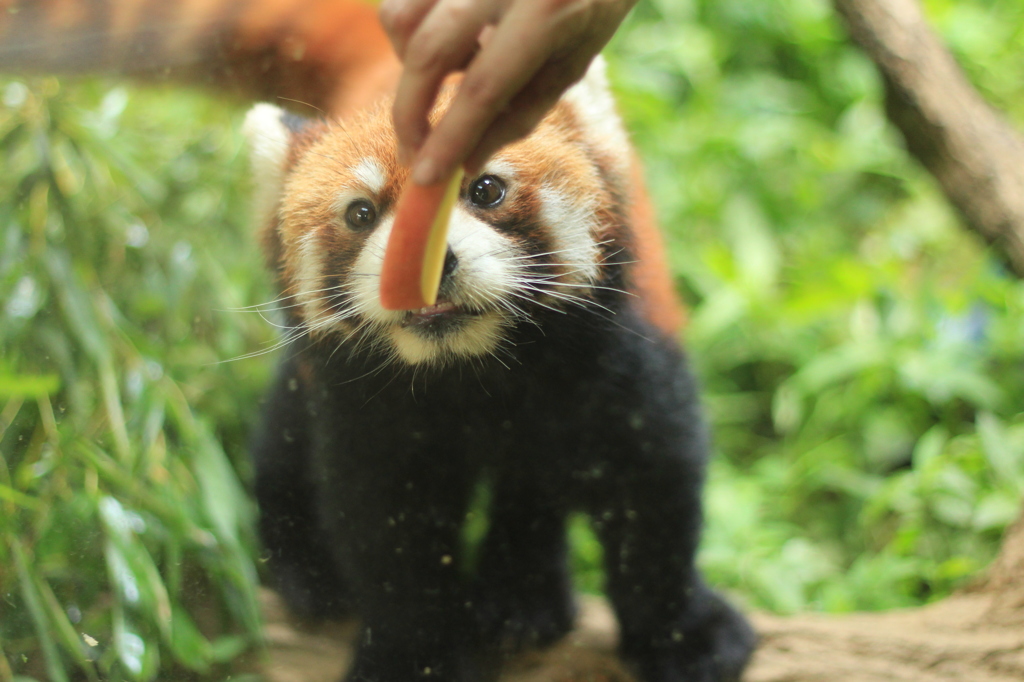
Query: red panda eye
x=360, y=215
x=487, y=192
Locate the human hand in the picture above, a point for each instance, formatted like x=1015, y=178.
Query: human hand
x=519, y=57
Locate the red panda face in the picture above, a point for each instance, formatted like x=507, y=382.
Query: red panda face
x=529, y=234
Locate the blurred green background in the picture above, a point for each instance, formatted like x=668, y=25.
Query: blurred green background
x=861, y=353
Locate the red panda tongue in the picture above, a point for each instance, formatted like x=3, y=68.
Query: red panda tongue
x=433, y=317
x=439, y=308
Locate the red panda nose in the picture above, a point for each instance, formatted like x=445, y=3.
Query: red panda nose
x=451, y=261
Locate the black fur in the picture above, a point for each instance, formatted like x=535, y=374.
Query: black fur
x=365, y=477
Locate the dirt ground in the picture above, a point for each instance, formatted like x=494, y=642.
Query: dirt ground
x=974, y=636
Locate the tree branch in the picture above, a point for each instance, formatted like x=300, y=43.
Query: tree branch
x=970, y=149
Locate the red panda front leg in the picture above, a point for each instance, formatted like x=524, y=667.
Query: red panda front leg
x=393, y=508
x=524, y=596
x=645, y=444
x=673, y=627
x=301, y=566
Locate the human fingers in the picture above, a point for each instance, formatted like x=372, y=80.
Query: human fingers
x=401, y=18
x=515, y=51
x=528, y=107
x=559, y=73
x=444, y=41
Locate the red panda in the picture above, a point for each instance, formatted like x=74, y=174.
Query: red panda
x=547, y=371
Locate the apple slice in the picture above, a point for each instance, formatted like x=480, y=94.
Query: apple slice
x=414, y=259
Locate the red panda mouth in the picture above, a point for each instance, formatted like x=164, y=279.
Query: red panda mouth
x=440, y=317
x=439, y=308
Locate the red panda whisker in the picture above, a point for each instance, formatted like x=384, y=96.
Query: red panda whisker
x=321, y=323
x=257, y=306
x=272, y=323
x=569, y=298
x=582, y=302
x=532, y=256
x=554, y=276
x=329, y=321
x=372, y=372
x=542, y=276
x=616, y=253
x=309, y=292
x=348, y=337
x=305, y=104
x=497, y=359
x=384, y=365
x=535, y=256
x=537, y=302
x=268, y=307
x=603, y=312
x=551, y=265
x=514, y=310
x=342, y=315
x=285, y=340
x=592, y=286
x=558, y=294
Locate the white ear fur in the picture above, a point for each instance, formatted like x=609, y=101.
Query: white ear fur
x=268, y=150
x=594, y=105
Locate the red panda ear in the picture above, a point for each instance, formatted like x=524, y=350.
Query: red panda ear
x=269, y=130
x=592, y=101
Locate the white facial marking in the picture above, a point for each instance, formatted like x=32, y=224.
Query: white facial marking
x=479, y=336
x=572, y=222
x=309, y=281
x=370, y=175
x=484, y=275
x=503, y=168
x=364, y=283
x=594, y=105
x=268, y=149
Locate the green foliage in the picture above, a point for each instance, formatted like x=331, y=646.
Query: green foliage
x=860, y=351
x=126, y=549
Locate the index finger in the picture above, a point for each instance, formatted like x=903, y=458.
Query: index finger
x=500, y=69
x=401, y=19
x=444, y=42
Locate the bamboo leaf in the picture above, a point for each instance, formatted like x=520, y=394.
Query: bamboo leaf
x=28, y=386
x=54, y=664
x=131, y=567
x=189, y=645
x=226, y=649
x=19, y=498
x=69, y=639
x=140, y=658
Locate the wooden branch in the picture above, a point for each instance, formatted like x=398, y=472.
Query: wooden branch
x=970, y=149
x=1005, y=581
x=952, y=641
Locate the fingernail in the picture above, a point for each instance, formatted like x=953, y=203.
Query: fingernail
x=425, y=173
